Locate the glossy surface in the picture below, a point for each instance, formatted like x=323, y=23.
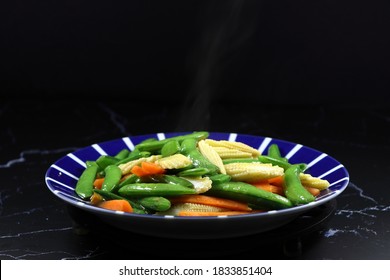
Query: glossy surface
x=62, y=176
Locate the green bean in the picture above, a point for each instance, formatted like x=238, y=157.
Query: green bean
x=84, y=186
x=153, y=189
x=112, y=177
x=258, y=198
x=293, y=187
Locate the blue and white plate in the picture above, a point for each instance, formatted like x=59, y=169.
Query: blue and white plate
x=61, y=178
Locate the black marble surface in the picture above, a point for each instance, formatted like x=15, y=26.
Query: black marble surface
x=34, y=224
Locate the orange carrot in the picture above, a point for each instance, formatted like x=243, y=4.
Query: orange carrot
x=116, y=204
x=152, y=168
x=313, y=191
x=269, y=187
x=223, y=213
x=137, y=170
x=98, y=183
x=147, y=168
x=211, y=201
x=277, y=181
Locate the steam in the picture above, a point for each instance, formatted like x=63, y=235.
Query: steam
x=226, y=28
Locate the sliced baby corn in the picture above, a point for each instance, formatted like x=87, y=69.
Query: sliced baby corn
x=253, y=171
x=126, y=167
x=175, y=161
x=308, y=180
x=191, y=207
x=234, y=145
x=208, y=152
x=225, y=153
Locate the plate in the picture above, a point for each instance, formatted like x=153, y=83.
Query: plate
x=61, y=178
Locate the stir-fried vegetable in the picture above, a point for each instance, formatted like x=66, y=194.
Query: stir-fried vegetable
x=193, y=175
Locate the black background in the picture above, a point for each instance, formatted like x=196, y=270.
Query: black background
x=267, y=51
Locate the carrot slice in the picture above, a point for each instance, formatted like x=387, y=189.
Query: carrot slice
x=152, y=168
x=117, y=205
x=98, y=183
x=212, y=201
x=208, y=214
x=137, y=170
x=269, y=187
x=313, y=191
x=277, y=181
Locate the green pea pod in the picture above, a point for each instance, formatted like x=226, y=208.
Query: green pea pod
x=177, y=181
x=122, y=154
x=84, y=186
x=170, y=148
x=155, y=146
x=258, y=198
x=112, y=177
x=137, y=207
x=220, y=178
x=280, y=162
x=104, y=160
x=135, y=154
x=155, y=203
x=194, y=172
x=293, y=187
x=153, y=189
x=189, y=149
x=274, y=152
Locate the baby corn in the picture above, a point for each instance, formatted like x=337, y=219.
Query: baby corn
x=209, y=152
x=253, y=171
x=234, y=145
x=308, y=180
x=175, y=161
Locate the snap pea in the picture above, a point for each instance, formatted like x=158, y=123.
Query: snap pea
x=84, y=186
x=170, y=148
x=105, y=160
x=220, y=178
x=122, y=154
x=128, y=180
x=135, y=154
x=188, y=147
x=113, y=175
x=279, y=162
x=137, y=207
x=274, y=152
x=293, y=187
x=197, y=171
x=153, y=189
x=155, y=146
x=258, y=198
x=155, y=203
x=165, y=178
